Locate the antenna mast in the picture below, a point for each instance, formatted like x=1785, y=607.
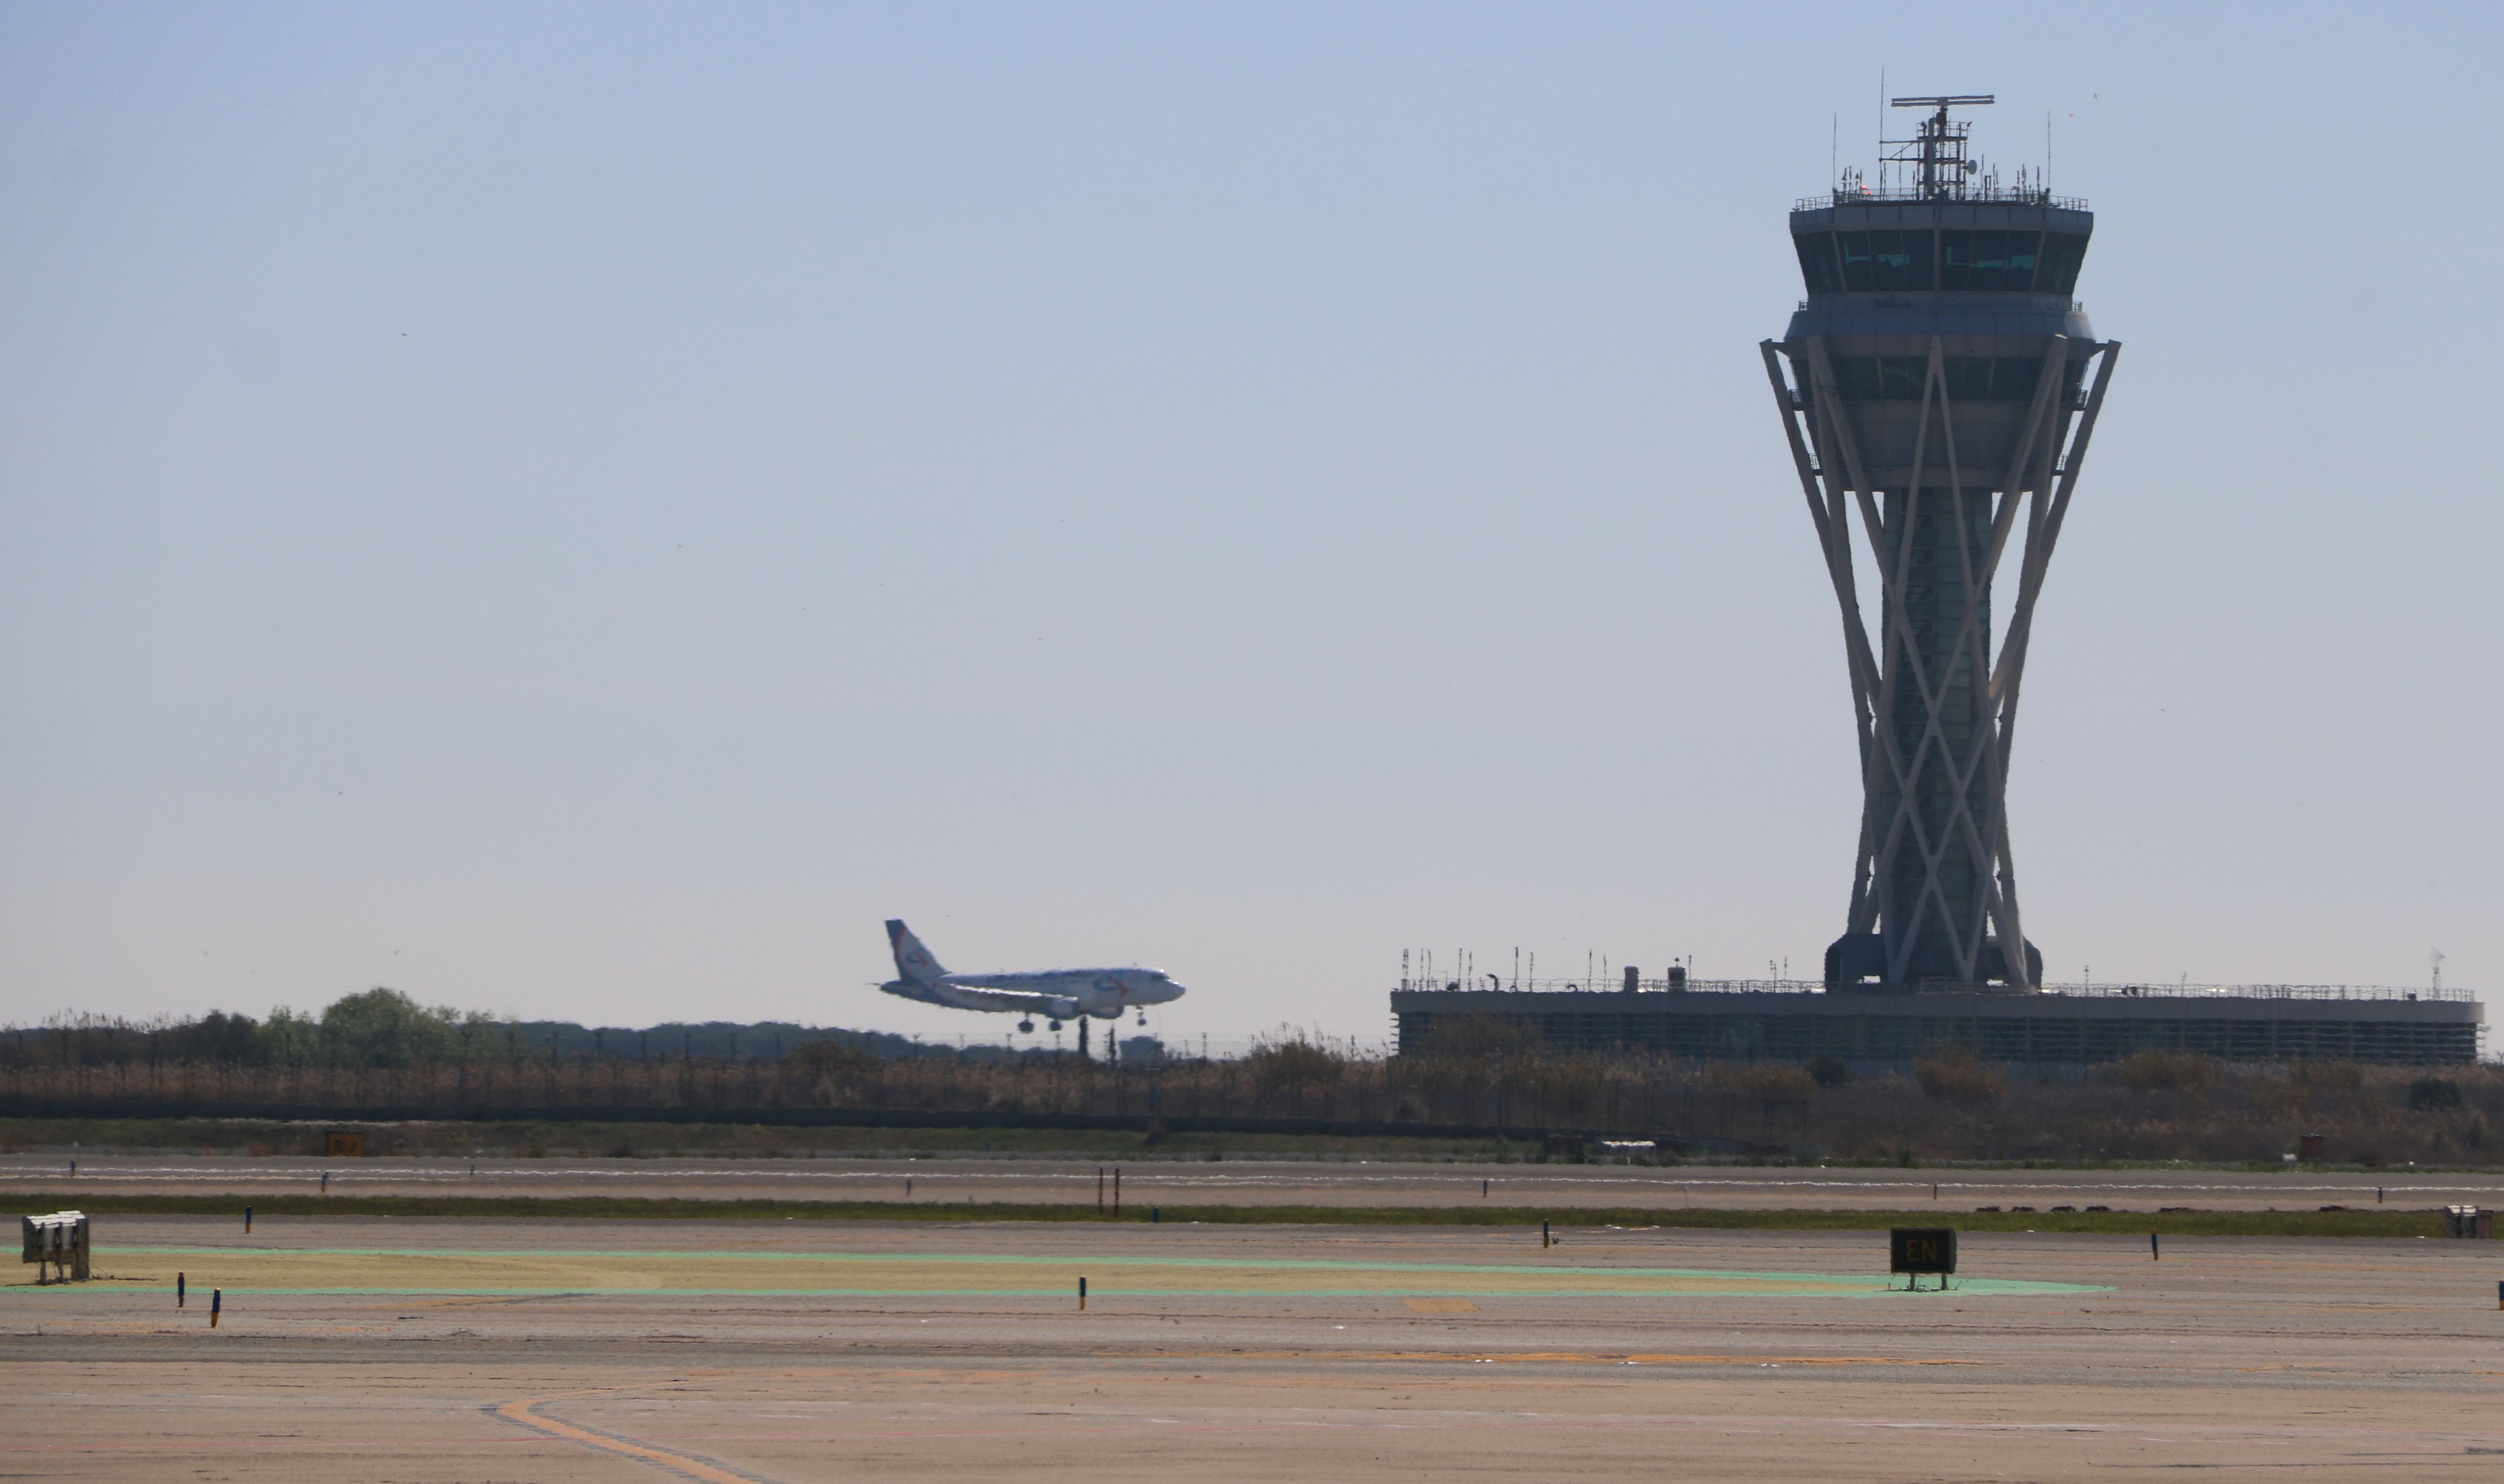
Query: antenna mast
x=1936, y=149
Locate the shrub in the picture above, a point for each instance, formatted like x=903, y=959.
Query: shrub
x=1767, y=1081
x=2272, y=1099
x=1828, y=1071
x=1955, y=1076
x=1569, y=1084
x=2326, y=1075
x=2155, y=1071
x=832, y=1058
x=2429, y=1093
x=1295, y=1063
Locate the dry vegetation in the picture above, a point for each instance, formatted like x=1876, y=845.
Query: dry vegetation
x=2151, y=1106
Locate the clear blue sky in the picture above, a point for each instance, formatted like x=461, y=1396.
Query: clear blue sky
x=585, y=509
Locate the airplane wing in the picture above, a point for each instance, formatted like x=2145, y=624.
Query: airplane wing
x=1056, y=1007
x=1005, y=999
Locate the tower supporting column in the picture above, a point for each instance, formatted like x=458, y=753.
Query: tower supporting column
x=1935, y=886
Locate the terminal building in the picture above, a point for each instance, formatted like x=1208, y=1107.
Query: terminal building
x=1938, y=386
x=2060, y=1026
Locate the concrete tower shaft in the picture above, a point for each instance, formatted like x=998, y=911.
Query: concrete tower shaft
x=1938, y=383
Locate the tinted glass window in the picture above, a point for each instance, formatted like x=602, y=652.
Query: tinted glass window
x=1968, y=378
x=2022, y=248
x=1899, y=259
x=2013, y=377
x=1956, y=261
x=1817, y=263
x=2063, y=252
x=1961, y=259
x=1854, y=249
x=2001, y=262
x=1880, y=378
x=1885, y=261
x=1974, y=261
x=1855, y=378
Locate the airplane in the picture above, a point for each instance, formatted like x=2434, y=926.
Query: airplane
x=1056, y=994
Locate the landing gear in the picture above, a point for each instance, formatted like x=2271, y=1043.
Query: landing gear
x=1028, y=1026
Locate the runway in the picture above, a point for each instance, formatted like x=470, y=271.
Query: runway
x=421, y=1350
x=1263, y=1183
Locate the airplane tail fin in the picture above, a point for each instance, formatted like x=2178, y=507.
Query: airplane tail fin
x=913, y=962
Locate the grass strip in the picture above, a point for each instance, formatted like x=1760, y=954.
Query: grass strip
x=2375, y=1223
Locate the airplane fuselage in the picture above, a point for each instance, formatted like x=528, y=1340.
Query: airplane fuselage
x=1061, y=993
x=1057, y=994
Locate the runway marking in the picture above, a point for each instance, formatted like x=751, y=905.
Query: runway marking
x=687, y=1465
x=1045, y=1275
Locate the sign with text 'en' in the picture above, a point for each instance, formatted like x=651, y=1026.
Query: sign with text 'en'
x=1918, y=1250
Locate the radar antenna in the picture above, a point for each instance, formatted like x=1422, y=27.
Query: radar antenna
x=1936, y=149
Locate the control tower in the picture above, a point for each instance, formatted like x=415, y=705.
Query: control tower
x=1940, y=384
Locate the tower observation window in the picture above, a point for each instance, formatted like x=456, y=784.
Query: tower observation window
x=1980, y=261
x=2063, y=252
x=1817, y=263
x=1885, y=261
x=1989, y=261
x=1854, y=250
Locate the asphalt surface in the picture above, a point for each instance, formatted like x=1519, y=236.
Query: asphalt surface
x=1263, y=1183
x=569, y=1350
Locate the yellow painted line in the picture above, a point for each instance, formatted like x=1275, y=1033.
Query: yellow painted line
x=524, y=1413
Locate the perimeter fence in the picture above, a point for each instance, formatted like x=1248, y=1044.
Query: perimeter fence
x=2150, y=1105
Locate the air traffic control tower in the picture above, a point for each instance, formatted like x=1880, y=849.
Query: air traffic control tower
x=1938, y=386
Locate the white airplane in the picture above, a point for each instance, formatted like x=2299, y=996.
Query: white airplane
x=1056, y=994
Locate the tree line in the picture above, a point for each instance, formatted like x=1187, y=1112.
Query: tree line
x=381, y=1028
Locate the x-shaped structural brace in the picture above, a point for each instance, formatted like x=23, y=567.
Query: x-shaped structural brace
x=2051, y=446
